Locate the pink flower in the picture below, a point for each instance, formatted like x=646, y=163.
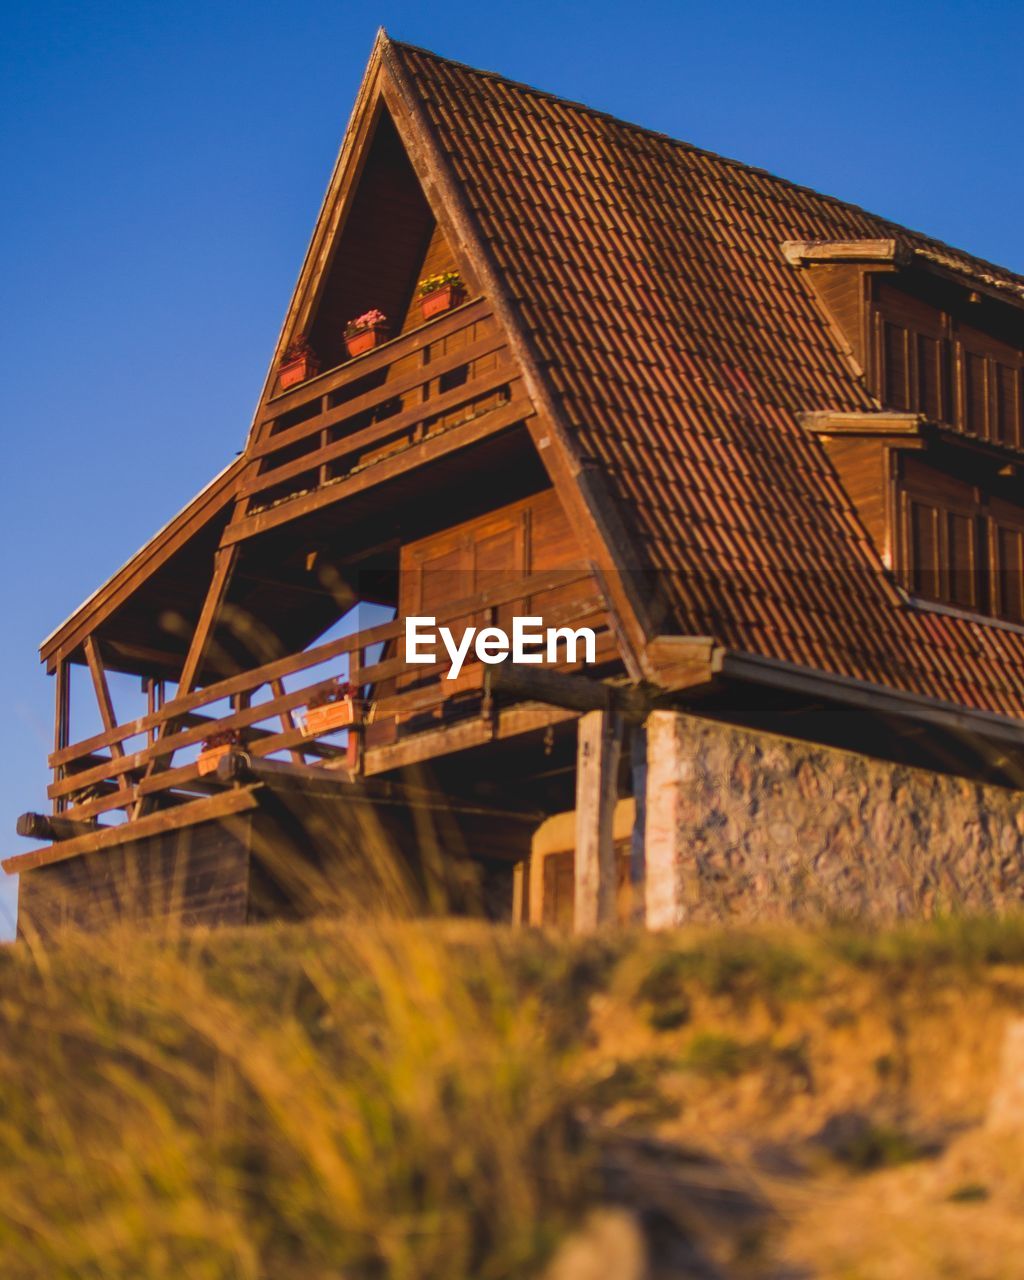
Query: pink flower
x=368, y=320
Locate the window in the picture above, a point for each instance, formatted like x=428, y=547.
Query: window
x=1006, y=531
x=961, y=544
x=989, y=399
x=913, y=356
x=930, y=358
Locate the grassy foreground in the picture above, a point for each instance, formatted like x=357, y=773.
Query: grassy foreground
x=449, y=1101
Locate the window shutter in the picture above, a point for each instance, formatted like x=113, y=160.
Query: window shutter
x=1006, y=542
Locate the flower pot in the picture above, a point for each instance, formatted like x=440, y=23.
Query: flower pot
x=298, y=370
x=330, y=716
x=440, y=300
x=210, y=757
x=364, y=340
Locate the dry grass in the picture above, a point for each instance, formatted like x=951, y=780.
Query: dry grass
x=409, y=1101
x=284, y=1102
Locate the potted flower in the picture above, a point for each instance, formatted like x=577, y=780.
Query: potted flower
x=440, y=293
x=366, y=332
x=216, y=746
x=336, y=707
x=298, y=363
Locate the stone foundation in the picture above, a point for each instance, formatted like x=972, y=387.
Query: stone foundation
x=745, y=825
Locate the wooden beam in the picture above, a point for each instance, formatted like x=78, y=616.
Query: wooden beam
x=61, y=720
x=682, y=662
x=597, y=770
x=287, y=720
x=511, y=722
x=862, y=422
x=212, y=809
x=578, y=693
x=223, y=566
x=241, y=766
x=801, y=252
x=224, y=562
x=47, y=826
x=520, y=894
x=205, y=507
x=102, y=690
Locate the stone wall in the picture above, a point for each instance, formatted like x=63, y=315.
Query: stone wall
x=742, y=824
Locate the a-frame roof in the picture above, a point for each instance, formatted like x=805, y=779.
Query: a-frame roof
x=671, y=347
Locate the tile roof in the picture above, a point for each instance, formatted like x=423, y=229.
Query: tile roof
x=681, y=345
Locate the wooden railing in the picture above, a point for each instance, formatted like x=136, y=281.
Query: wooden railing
x=450, y=372
x=405, y=699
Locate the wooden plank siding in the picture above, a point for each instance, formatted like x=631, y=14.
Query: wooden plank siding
x=194, y=877
x=865, y=468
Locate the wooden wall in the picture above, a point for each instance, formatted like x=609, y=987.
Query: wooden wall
x=379, y=254
x=864, y=466
x=529, y=536
x=199, y=876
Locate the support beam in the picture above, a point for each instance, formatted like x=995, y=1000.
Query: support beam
x=46, y=826
x=241, y=767
x=223, y=567
x=224, y=562
x=102, y=690
x=61, y=722
x=558, y=689
x=684, y=664
x=597, y=768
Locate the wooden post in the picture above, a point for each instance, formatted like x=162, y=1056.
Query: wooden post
x=637, y=845
x=287, y=721
x=154, y=701
x=61, y=722
x=520, y=904
x=597, y=767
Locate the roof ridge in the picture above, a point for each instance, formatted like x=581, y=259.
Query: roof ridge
x=1012, y=277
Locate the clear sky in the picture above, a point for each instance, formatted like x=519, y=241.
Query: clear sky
x=163, y=165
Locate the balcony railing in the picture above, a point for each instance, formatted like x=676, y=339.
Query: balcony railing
x=405, y=705
x=450, y=377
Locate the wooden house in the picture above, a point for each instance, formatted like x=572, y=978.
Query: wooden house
x=767, y=445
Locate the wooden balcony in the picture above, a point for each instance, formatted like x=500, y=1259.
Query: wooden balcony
x=409, y=712
x=433, y=389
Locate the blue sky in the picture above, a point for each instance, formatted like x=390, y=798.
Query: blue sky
x=164, y=164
